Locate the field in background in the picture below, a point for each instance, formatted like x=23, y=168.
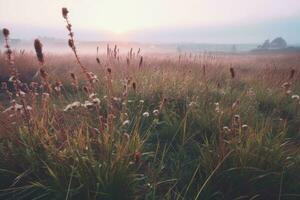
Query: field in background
x=168, y=127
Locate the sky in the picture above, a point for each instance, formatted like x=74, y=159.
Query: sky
x=212, y=21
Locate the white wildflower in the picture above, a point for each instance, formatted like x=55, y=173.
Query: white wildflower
x=126, y=122
x=244, y=126
x=88, y=104
x=155, y=112
x=92, y=96
x=217, y=107
x=96, y=101
x=295, y=97
x=11, y=79
x=146, y=114
x=73, y=105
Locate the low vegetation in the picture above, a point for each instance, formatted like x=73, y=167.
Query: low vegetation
x=134, y=126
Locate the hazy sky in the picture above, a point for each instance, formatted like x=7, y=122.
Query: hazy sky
x=196, y=20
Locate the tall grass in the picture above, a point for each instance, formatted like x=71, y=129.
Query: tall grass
x=148, y=127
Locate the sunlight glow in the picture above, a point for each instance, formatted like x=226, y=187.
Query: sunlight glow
x=121, y=16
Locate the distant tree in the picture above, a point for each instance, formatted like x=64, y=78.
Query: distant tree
x=266, y=45
x=278, y=43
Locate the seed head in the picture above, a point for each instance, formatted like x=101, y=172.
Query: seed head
x=71, y=43
x=292, y=73
x=64, y=12
x=39, y=50
x=232, y=72
x=134, y=86
x=141, y=62
x=5, y=32
x=73, y=76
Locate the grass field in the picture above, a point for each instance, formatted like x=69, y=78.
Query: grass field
x=134, y=126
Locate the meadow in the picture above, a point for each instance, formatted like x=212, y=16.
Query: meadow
x=148, y=126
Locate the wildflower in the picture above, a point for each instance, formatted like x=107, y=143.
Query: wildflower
x=18, y=107
x=117, y=99
x=92, y=77
x=226, y=129
x=92, y=96
x=142, y=101
x=295, y=97
x=288, y=92
x=96, y=101
x=146, y=114
x=244, y=126
x=286, y=85
x=88, y=104
x=126, y=122
x=73, y=105
x=22, y=94
x=46, y=95
x=192, y=104
x=235, y=104
x=155, y=112
x=236, y=117
x=29, y=108
x=57, y=88
x=217, y=107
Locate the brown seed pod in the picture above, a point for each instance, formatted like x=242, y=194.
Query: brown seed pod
x=5, y=32
x=134, y=86
x=71, y=43
x=292, y=73
x=39, y=50
x=64, y=12
x=141, y=62
x=73, y=76
x=232, y=72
